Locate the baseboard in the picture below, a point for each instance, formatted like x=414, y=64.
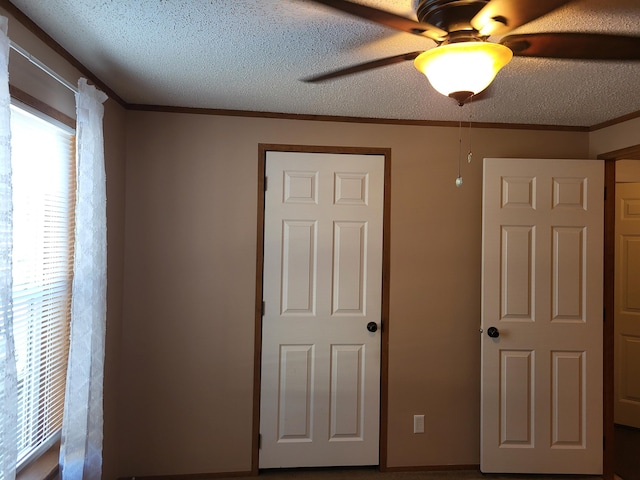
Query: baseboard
x=190, y=476
x=206, y=476
x=431, y=468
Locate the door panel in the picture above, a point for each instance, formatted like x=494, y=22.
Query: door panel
x=517, y=275
x=296, y=385
x=627, y=314
x=542, y=290
x=299, y=267
x=349, y=282
x=322, y=284
x=567, y=409
x=516, y=397
x=568, y=274
x=347, y=400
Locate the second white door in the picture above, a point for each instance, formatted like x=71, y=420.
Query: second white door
x=322, y=285
x=542, y=316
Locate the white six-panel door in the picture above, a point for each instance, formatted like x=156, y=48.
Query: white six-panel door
x=542, y=291
x=627, y=306
x=322, y=280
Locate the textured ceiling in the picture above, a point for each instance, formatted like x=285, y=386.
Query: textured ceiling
x=251, y=55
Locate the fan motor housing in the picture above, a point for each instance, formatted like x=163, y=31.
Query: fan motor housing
x=450, y=15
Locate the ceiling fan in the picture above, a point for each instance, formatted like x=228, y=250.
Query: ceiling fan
x=464, y=62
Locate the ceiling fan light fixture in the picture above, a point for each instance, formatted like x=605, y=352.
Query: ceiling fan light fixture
x=463, y=66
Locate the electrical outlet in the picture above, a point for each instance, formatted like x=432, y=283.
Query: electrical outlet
x=418, y=424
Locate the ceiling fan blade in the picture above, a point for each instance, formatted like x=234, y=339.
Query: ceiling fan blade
x=383, y=62
x=501, y=16
x=579, y=46
x=386, y=18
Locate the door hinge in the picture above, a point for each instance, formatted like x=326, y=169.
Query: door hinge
x=259, y=441
x=265, y=184
x=263, y=308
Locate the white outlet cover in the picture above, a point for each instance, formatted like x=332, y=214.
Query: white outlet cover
x=418, y=424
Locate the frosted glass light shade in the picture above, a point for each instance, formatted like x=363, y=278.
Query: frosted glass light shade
x=464, y=66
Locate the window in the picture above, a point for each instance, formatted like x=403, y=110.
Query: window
x=43, y=163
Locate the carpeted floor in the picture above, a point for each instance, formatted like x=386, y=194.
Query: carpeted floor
x=363, y=473
x=627, y=446
x=627, y=468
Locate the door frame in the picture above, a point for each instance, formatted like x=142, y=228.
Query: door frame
x=610, y=158
x=263, y=148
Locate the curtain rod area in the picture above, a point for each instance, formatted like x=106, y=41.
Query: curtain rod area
x=42, y=66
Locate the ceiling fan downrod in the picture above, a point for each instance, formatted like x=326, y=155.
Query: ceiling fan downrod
x=453, y=16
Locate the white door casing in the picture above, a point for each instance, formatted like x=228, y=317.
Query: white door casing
x=322, y=284
x=542, y=269
x=627, y=305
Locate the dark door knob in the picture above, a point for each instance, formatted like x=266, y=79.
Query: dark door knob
x=372, y=326
x=493, y=332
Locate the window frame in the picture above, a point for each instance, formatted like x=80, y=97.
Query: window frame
x=47, y=450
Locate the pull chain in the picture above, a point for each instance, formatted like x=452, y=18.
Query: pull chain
x=459, y=178
x=470, y=154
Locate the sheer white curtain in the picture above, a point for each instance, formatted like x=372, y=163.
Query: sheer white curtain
x=81, y=450
x=8, y=375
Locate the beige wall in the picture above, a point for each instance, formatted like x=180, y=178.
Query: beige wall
x=179, y=360
x=615, y=137
x=190, y=284
x=114, y=153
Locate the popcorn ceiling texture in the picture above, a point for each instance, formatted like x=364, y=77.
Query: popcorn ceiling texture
x=251, y=54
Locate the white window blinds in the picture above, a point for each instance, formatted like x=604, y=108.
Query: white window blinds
x=43, y=162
